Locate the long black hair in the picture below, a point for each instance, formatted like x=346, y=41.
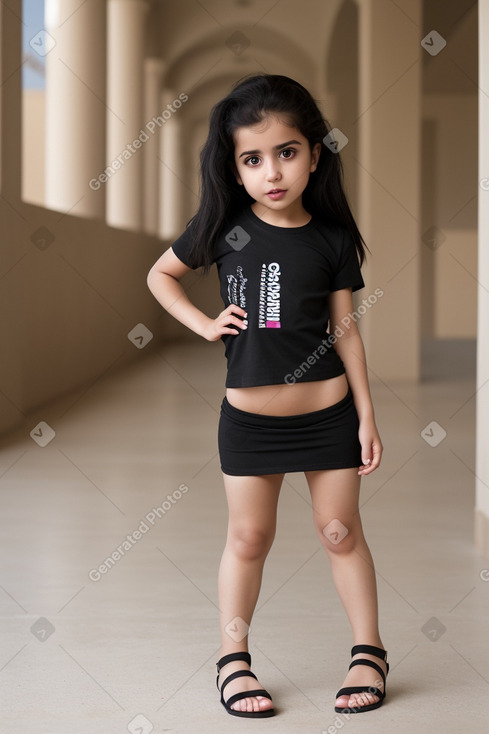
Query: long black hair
x=249, y=102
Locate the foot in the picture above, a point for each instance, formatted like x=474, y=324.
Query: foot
x=362, y=675
x=255, y=703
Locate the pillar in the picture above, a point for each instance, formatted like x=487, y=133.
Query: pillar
x=389, y=183
x=153, y=75
x=125, y=114
x=75, y=105
x=172, y=188
x=482, y=380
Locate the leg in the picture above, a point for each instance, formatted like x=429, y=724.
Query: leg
x=335, y=495
x=252, y=503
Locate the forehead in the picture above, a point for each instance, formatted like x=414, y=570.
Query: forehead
x=267, y=133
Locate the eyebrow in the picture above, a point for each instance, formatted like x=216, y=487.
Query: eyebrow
x=276, y=147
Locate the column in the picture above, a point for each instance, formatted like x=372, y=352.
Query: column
x=10, y=107
x=389, y=183
x=75, y=105
x=482, y=395
x=172, y=189
x=125, y=98
x=153, y=75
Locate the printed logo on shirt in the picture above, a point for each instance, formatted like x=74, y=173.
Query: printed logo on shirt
x=237, y=287
x=269, y=301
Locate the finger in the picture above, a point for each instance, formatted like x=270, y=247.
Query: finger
x=367, y=462
x=233, y=308
x=363, y=470
x=367, y=455
x=377, y=454
x=235, y=321
x=370, y=467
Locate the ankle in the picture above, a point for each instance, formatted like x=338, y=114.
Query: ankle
x=372, y=641
x=224, y=652
x=230, y=666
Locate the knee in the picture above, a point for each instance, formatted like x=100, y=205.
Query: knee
x=338, y=538
x=250, y=544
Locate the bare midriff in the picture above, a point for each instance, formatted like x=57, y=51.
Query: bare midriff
x=301, y=397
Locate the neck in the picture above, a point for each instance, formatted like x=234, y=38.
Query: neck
x=293, y=216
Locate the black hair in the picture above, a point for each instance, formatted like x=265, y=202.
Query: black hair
x=221, y=197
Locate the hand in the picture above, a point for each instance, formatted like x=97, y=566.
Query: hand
x=222, y=324
x=371, y=446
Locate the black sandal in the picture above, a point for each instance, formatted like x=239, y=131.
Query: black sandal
x=245, y=657
x=370, y=650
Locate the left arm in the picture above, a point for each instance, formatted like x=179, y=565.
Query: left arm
x=349, y=347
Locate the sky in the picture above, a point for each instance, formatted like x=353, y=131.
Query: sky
x=33, y=22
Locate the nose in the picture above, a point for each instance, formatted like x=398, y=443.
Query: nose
x=273, y=170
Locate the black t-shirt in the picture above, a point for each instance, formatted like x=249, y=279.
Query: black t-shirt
x=281, y=276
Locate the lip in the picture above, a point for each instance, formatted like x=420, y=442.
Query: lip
x=276, y=193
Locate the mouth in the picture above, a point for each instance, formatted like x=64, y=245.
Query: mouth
x=276, y=193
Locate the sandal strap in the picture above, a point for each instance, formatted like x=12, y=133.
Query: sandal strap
x=237, y=674
x=370, y=663
x=244, y=656
x=377, y=652
x=247, y=694
x=370, y=650
x=361, y=689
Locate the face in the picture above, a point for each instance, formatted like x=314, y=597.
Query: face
x=273, y=162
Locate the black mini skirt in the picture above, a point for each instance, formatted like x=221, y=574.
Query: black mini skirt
x=252, y=444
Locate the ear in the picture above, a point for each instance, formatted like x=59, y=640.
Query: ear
x=315, y=153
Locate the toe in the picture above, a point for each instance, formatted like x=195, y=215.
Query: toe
x=255, y=703
x=244, y=704
x=264, y=703
x=362, y=699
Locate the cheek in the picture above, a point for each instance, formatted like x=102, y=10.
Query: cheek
x=247, y=178
x=302, y=172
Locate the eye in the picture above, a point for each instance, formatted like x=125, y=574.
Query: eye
x=253, y=160
x=288, y=153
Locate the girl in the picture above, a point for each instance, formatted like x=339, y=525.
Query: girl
x=274, y=218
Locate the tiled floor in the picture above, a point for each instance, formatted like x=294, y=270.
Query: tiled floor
x=85, y=651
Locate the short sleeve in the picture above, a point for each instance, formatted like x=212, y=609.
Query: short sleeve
x=182, y=246
x=348, y=274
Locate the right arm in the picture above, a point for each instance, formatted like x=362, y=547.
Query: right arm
x=164, y=283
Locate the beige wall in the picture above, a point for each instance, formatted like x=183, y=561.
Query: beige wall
x=33, y=146
x=449, y=203
x=67, y=310
x=481, y=472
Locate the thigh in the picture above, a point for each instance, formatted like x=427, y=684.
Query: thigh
x=252, y=500
x=335, y=495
